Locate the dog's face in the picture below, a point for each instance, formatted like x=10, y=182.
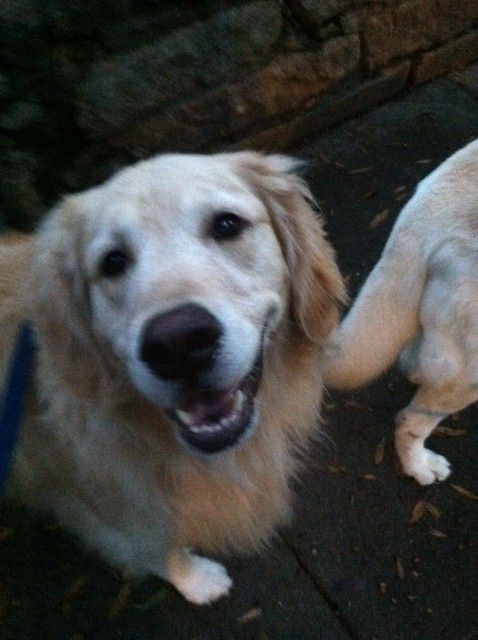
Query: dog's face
x=182, y=269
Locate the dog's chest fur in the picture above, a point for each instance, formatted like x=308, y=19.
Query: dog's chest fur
x=129, y=489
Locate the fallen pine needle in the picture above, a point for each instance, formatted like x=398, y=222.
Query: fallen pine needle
x=380, y=452
x=250, y=615
x=76, y=591
x=464, y=492
x=447, y=432
x=120, y=603
x=361, y=170
x=378, y=219
x=432, y=510
x=400, y=568
x=353, y=404
x=438, y=534
x=368, y=194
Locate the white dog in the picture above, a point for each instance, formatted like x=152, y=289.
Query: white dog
x=421, y=301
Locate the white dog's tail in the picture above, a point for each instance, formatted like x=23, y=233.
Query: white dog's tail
x=383, y=319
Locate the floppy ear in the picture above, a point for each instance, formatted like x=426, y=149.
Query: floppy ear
x=60, y=305
x=317, y=287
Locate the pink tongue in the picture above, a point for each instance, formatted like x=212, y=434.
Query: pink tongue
x=210, y=407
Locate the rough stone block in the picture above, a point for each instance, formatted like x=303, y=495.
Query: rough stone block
x=415, y=25
x=317, y=13
x=330, y=110
x=453, y=55
x=467, y=78
x=289, y=83
x=178, y=66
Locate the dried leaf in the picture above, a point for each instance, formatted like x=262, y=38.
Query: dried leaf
x=5, y=532
x=369, y=476
x=380, y=452
x=337, y=468
x=421, y=508
x=378, y=219
x=250, y=615
x=75, y=592
x=400, y=568
x=447, y=432
x=432, y=510
x=464, y=492
x=155, y=599
x=353, y=404
x=119, y=604
x=418, y=511
x=438, y=534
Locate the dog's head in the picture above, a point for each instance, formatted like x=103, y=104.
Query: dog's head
x=178, y=272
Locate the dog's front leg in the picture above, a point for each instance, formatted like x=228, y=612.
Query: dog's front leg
x=198, y=579
x=416, y=422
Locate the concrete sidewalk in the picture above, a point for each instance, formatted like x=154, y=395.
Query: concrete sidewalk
x=352, y=566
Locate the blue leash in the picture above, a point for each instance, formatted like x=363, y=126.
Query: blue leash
x=13, y=400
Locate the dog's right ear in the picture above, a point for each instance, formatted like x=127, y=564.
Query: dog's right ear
x=60, y=305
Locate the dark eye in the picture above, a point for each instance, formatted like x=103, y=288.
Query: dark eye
x=227, y=226
x=114, y=263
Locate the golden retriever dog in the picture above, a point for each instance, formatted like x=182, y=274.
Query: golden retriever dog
x=421, y=301
x=179, y=312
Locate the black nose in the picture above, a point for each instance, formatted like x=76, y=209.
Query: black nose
x=180, y=343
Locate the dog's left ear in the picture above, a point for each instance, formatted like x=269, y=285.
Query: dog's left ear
x=317, y=287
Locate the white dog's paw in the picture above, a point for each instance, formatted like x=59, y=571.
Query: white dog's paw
x=200, y=580
x=429, y=468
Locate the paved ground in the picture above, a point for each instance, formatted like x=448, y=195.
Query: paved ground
x=352, y=566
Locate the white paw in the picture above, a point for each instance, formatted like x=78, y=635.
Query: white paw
x=428, y=468
x=203, y=581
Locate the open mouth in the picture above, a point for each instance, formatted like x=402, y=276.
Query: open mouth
x=212, y=421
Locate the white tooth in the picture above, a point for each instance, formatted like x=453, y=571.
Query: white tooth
x=238, y=401
x=184, y=416
x=226, y=422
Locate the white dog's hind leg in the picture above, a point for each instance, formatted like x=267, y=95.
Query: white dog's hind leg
x=198, y=579
x=417, y=421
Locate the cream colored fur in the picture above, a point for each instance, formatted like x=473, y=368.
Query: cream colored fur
x=421, y=301
x=94, y=448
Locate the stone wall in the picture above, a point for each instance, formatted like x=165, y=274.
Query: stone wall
x=86, y=87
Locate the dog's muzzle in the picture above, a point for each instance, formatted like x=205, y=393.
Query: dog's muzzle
x=181, y=346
